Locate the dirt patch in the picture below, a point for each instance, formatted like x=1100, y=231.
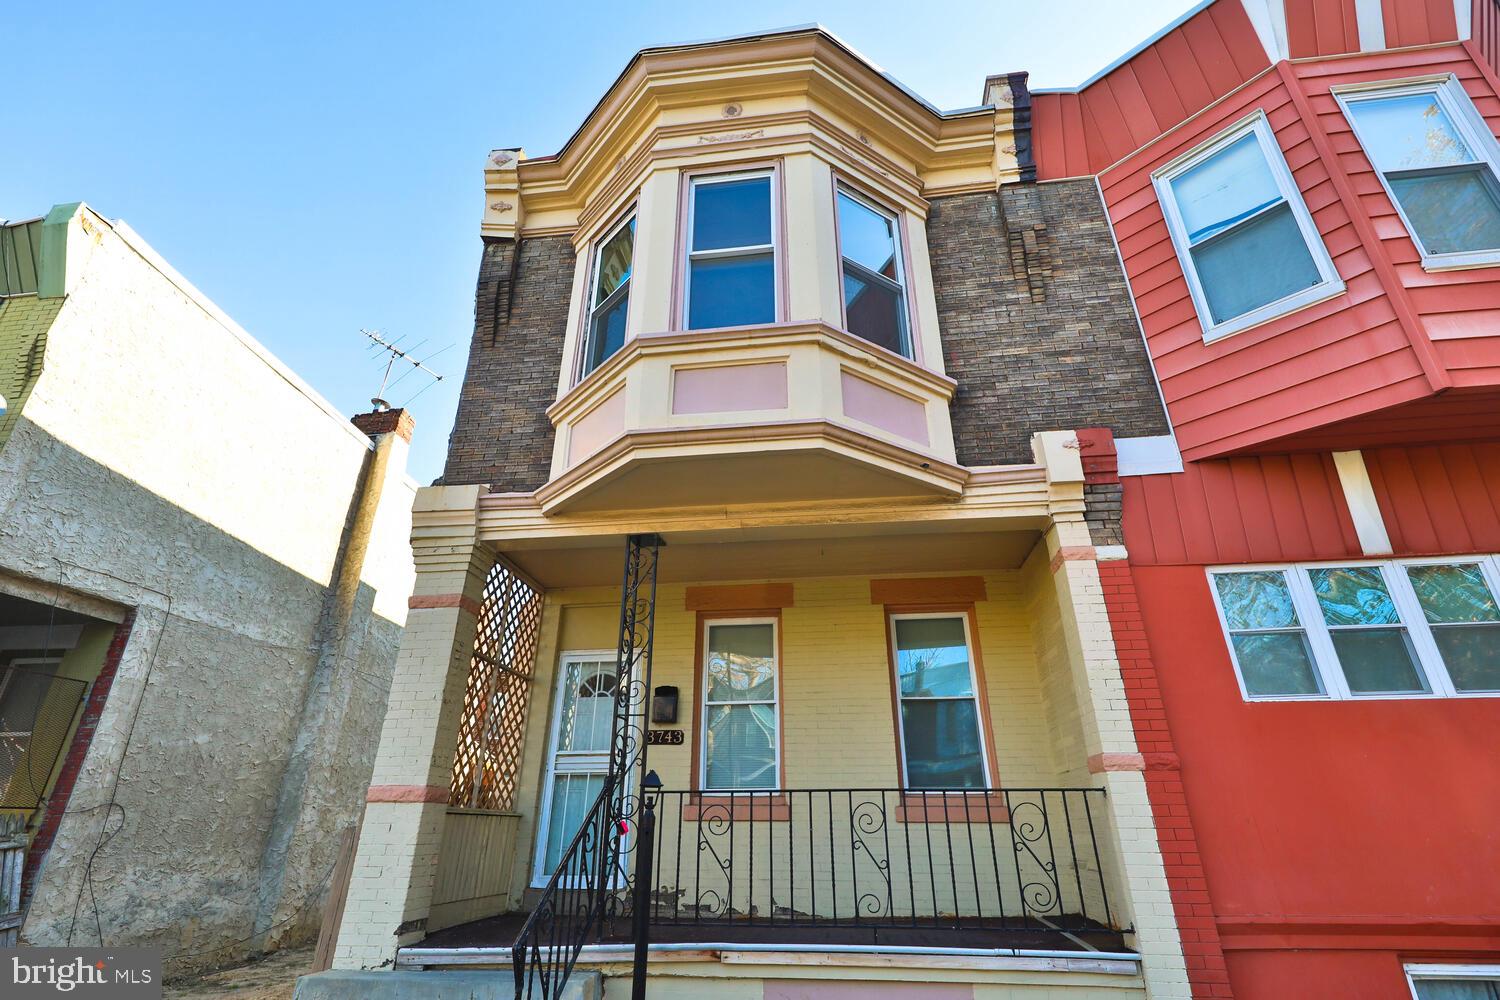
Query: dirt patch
x=271, y=978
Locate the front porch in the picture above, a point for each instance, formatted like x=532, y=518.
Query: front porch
x=889, y=728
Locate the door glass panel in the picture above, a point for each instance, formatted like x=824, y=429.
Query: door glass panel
x=742, y=662
x=932, y=658
x=1255, y=264
x=740, y=747
x=1405, y=133
x=942, y=744
x=572, y=795
x=587, y=709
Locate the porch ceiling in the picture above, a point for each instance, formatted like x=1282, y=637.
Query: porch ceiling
x=757, y=554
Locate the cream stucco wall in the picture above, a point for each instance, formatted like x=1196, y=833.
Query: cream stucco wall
x=165, y=463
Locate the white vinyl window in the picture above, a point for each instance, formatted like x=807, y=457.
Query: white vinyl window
x=731, y=251
x=872, y=274
x=1437, y=159
x=609, y=299
x=1454, y=982
x=741, y=717
x=1247, y=244
x=1406, y=628
x=942, y=739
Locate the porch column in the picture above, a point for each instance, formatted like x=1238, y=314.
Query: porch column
x=1114, y=760
x=395, y=866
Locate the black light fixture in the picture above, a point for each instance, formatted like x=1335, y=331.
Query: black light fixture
x=664, y=704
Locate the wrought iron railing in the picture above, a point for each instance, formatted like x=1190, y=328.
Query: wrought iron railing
x=991, y=859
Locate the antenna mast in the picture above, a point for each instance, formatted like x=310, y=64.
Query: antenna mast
x=394, y=354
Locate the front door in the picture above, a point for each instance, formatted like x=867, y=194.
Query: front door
x=583, y=714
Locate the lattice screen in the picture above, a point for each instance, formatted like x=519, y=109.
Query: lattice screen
x=493, y=726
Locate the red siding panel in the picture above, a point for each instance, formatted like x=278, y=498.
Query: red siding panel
x=1439, y=499
x=1418, y=22
x=1321, y=27
x=1486, y=31
x=1270, y=508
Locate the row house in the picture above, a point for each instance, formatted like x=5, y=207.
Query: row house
x=1307, y=206
x=759, y=612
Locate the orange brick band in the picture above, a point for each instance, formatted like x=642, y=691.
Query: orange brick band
x=1101, y=762
x=1069, y=552
x=444, y=601
x=407, y=793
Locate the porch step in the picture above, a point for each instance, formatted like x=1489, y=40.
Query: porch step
x=468, y=984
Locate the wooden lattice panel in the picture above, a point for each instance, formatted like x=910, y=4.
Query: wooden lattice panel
x=492, y=729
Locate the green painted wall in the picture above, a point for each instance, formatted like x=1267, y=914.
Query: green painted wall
x=24, y=322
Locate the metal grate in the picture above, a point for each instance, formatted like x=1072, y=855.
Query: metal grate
x=36, y=713
x=493, y=725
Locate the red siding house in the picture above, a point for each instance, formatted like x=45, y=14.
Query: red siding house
x=1306, y=199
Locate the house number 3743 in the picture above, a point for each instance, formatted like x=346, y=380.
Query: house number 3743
x=664, y=738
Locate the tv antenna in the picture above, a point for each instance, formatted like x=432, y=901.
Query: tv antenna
x=394, y=353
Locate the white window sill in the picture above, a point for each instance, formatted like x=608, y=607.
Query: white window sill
x=1460, y=261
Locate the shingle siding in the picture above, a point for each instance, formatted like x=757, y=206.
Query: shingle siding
x=501, y=435
x=1036, y=318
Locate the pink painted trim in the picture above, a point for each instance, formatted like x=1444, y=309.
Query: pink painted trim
x=880, y=407
x=1068, y=553
x=597, y=428
x=1101, y=762
x=407, y=793
x=729, y=387
x=468, y=604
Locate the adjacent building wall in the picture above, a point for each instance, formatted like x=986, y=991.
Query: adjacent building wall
x=165, y=463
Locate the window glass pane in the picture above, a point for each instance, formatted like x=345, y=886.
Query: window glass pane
x=1453, y=593
x=1234, y=183
x=942, y=744
x=1472, y=655
x=1457, y=989
x=1378, y=661
x=1254, y=264
x=615, y=259
x=1276, y=663
x=1452, y=211
x=1260, y=599
x=732, y=214
x=742, y=662
x=588, y=708
x=1353, y=595
x=740, y=747
x=932, y=658
x=572, y=795
x=732, y=291
x=1404, y=133
x=607, y=333
x=866, y=237
x=874, y=312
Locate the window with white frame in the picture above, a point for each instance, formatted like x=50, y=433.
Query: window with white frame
x=871, y=272
x=1454, y=982
x=1437, y=159
x=942, y=741
x=1404, y=628
x=741, y=719
x=614, y=259
x=731, y=253
x=1246, y=241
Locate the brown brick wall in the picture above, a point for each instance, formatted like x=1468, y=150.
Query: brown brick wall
x=1037, y=323
x=501, y=435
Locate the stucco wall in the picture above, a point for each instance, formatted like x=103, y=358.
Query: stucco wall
x=164, y=462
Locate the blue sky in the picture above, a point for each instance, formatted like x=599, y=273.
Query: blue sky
x=315, y=168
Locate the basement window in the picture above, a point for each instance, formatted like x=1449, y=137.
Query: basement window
x=1437, y=159
x=1247, y=244
x=1402, y=629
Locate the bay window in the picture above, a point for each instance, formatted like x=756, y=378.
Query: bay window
x=614, y=259
x=741, y=718
x=731, y=253
x=1246, y=242
x=942, y=742
x=1394, y=629
x=1436, y=158
x=874, y=288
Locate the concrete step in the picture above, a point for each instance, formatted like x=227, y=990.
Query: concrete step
x=467, y=984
